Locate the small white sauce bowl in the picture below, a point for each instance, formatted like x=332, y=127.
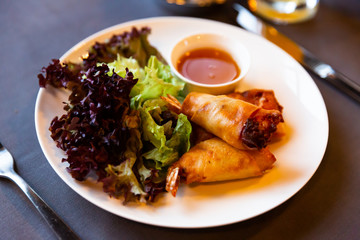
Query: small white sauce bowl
x=204, y=40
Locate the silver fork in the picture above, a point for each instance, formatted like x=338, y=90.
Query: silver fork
x=61, y=230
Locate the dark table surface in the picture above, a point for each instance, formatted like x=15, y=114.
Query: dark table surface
x=35, y=31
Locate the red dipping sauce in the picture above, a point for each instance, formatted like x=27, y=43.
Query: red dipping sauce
x=208, y=66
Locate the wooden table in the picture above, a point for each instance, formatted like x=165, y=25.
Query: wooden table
x=34, y=32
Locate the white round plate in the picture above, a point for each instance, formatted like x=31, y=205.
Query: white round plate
x=206, y=205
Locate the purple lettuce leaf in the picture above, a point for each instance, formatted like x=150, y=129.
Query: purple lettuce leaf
x=92, y=131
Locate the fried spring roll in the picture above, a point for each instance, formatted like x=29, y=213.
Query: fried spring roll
x=239, y=123
x=215, y=160
x=265, y=99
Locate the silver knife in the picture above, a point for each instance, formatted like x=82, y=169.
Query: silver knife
x=323, y=70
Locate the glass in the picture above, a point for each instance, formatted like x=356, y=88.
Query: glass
x=197, y=3
x=284, y=11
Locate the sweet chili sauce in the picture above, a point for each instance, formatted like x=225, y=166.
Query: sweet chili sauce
x=208, y=65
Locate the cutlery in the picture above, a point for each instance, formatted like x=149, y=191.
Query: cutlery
x=57, y=225
x=323, y=70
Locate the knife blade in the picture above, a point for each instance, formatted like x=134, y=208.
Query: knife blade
x=323, y=70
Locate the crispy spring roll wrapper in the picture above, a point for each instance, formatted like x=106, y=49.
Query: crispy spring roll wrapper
x=214, y=160
x=239, y=123
x=265, y=99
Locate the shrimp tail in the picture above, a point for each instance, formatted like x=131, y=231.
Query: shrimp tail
x=172, y=180
x=172, y=103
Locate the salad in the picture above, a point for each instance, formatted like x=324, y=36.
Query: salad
x=115, y=123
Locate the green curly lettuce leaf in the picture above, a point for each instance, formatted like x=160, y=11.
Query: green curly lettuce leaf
x=121, y=179
x=169, y=144
x=158, y=81
x=121, y=63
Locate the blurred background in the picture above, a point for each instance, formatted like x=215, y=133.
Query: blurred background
x=35, y=31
